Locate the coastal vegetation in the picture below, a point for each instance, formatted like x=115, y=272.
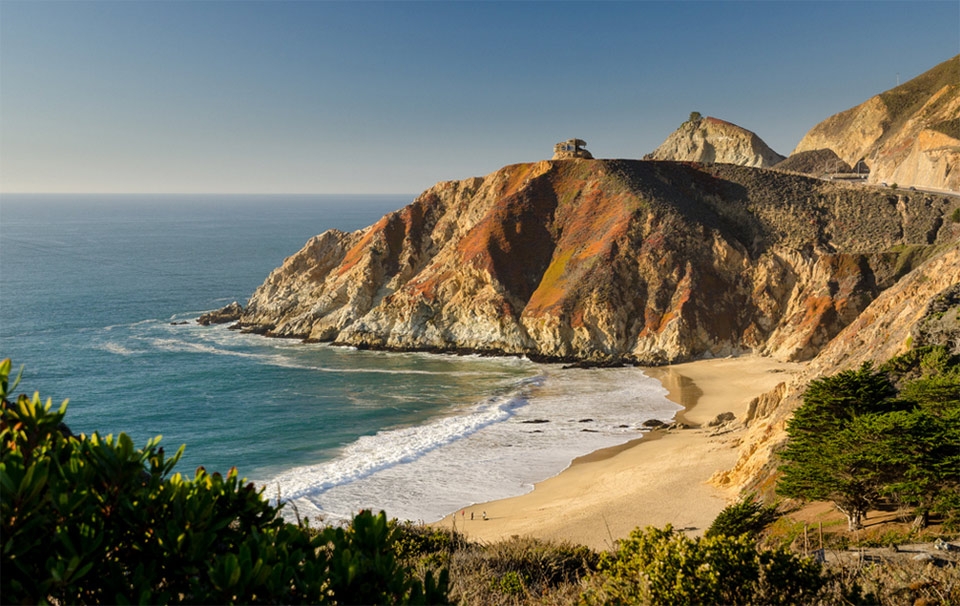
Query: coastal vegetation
x=91, y=519
x=890, y=435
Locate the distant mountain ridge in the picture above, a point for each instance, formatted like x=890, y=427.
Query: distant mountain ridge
x=712, y=140
x=909, y=135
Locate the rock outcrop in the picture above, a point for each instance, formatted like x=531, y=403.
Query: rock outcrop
x=710, y=140
x=647, y=262
x=909, y=135
x=227, y=313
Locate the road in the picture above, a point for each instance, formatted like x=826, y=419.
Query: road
x=848, y=178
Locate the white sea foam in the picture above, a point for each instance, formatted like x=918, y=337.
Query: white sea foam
x=130, y=325
x=181, y=345
x=371, y=454
x=117, y=348
x=221, y=340
x=494, y=449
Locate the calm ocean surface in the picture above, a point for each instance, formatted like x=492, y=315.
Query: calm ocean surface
x=92, y=288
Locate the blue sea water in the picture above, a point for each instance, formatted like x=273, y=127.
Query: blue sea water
x=98, y=300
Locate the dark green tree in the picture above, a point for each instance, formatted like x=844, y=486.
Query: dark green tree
x=826, y=457
x=922, y=447
x=856, y=440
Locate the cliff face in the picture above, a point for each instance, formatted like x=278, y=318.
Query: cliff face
x=712, y=140
x=599, y=260
x=923, y=308
x=909, y=135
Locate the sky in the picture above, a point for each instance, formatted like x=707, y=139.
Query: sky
x=192, y=96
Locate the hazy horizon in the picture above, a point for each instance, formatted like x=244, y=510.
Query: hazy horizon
x=369, y=98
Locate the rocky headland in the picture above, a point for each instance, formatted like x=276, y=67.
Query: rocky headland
x=609, y=260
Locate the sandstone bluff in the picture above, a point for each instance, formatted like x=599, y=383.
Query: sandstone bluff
x=609, y=260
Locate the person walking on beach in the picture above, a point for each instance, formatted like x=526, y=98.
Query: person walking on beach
x=484, y=515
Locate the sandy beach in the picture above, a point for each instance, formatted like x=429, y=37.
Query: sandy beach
x=653, y=481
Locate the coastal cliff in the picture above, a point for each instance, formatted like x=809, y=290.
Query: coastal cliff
x=607, y=260
x=909, y=135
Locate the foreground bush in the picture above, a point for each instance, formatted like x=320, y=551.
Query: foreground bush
x=520, y=570
x=664, y=566
x=96, y=520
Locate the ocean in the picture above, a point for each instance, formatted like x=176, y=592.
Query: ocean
x=98, y=300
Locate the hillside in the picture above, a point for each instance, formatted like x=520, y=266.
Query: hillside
x=607, y=260
x=923, y=308
x=712, y=140
x=909, y=135
x=815, y=162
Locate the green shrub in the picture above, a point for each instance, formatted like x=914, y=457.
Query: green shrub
x=364, y=568
x=955, y=215
x=96, y=520
x=747, y=516
x=414, y=541
x=663, y=566
x=511, y=583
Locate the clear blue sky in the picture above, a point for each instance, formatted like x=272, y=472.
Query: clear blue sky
x=371, y=97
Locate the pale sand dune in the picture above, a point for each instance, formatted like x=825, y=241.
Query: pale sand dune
x=657, y=480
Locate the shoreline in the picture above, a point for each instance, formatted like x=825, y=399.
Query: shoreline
x=684, y=393
x=657, y=479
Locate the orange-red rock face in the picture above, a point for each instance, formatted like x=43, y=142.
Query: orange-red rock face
x=602, y=259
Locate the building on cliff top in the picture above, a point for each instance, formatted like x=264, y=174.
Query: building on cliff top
x=571, y=148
